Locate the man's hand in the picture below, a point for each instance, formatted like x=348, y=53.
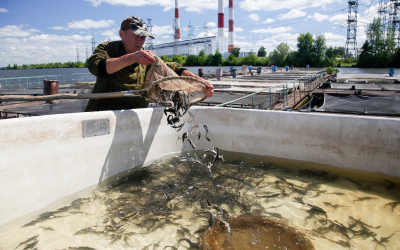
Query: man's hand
x=209, y=90
x=141, y=57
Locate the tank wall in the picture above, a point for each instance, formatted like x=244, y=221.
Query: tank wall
x=43, y=159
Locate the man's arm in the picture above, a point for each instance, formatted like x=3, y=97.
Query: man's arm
x=209, y=90
x=141, y=57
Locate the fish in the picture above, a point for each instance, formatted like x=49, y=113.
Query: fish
x=391, y=184
x=171, y=110
x=191, y=143
x=355, y=182
x=219, y=217
x=382, y=240
x=367, y=198
x=184, y=136
x=34, y=239
x=328, y=204
x=206, y=129
x=362, y=223
x=198, y=135
x=172, y=120
x=193, y=128
x=392, y=205
x=191, y=116
x=269, y=196
x=178, y=127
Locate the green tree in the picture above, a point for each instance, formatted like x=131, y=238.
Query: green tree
x=178, y=59
x=304, y=49
x=329, y=53
x=192, y=60
x=261, y=52
x=278, y=55
x=210, y=60
x=236, y=51
x=319, y=46
x=202, y=59
x=217, y=59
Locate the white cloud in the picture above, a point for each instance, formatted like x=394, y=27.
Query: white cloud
x=318, y=17
x=338, y=19
x=16, y=31
x=269, y=20
x=49, y=38
x=238, y=29
x=211, y=24
x=88, y=24
x=58, y=28
x=196, y=6
x=111, y=32
x=285, y=36
x=2, y=10
x=253, y=5
x=254, y=17
x=160, y=30
x=273, y=30
x=292, y=14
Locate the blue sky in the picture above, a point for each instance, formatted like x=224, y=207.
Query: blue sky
x=43, y=31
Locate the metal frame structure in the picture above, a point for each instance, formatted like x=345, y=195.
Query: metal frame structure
x=190, y=38
x=394, y=22
x=351, y=42
x=149, y=39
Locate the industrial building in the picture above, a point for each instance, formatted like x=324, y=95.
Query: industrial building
x=210, y=44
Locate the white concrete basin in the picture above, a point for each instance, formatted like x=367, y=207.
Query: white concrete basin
x=43, y=159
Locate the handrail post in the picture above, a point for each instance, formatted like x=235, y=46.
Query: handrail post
x=287, y=95
x=270, y=97
x=230, y=105
x=252, y=101
x=294, y=92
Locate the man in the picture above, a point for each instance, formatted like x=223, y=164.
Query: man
x=122, y=65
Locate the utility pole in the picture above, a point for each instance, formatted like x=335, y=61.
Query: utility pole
x=149, y=39
x=394, y=23
x=351, y=42
x=383, y=15
x=93, y=44
x=190, y=38
x=205, y=31
x=77, y=54
x=176, y=38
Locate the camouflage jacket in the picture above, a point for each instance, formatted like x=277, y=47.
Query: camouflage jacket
x=129, y=78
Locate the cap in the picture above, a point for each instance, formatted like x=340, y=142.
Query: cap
x=136, y=25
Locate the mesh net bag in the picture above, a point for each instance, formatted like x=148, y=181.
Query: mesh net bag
x=166, y=88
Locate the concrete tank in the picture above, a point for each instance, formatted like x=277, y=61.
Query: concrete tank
x=44, y=159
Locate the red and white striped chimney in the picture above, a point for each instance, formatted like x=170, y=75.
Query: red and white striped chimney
x=230, y=36
x=221, y=18
x=177, y=26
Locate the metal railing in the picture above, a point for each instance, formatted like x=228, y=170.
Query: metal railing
x=27, y=81
x=309, y=82
x=82, y=77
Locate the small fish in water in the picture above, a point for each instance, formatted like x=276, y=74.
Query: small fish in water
x=367, y=198
x=184, y=136
x=206, y=129
x=191, y=143
x=328, y=204
x=172, y=120
x=216, y=154
x=30, y=241
x=178, y=127
x=393, y=205
x=355, y=182
x=198, y=135
x=219, y=217
x=193, y=128
x=269, y=196
x=191, y=116
x=362, y=223
x=383, y=240
x=391, y=184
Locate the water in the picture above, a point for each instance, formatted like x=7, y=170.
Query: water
x=66, y=76
x=168, y=203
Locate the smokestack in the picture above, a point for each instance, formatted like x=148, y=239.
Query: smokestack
x=230, y=37
x=220, y=18
x=177, y=26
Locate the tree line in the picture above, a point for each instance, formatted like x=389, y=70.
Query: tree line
x=379, y=49
x=48, y=65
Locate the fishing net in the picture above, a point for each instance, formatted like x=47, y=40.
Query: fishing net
x=166, y=88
